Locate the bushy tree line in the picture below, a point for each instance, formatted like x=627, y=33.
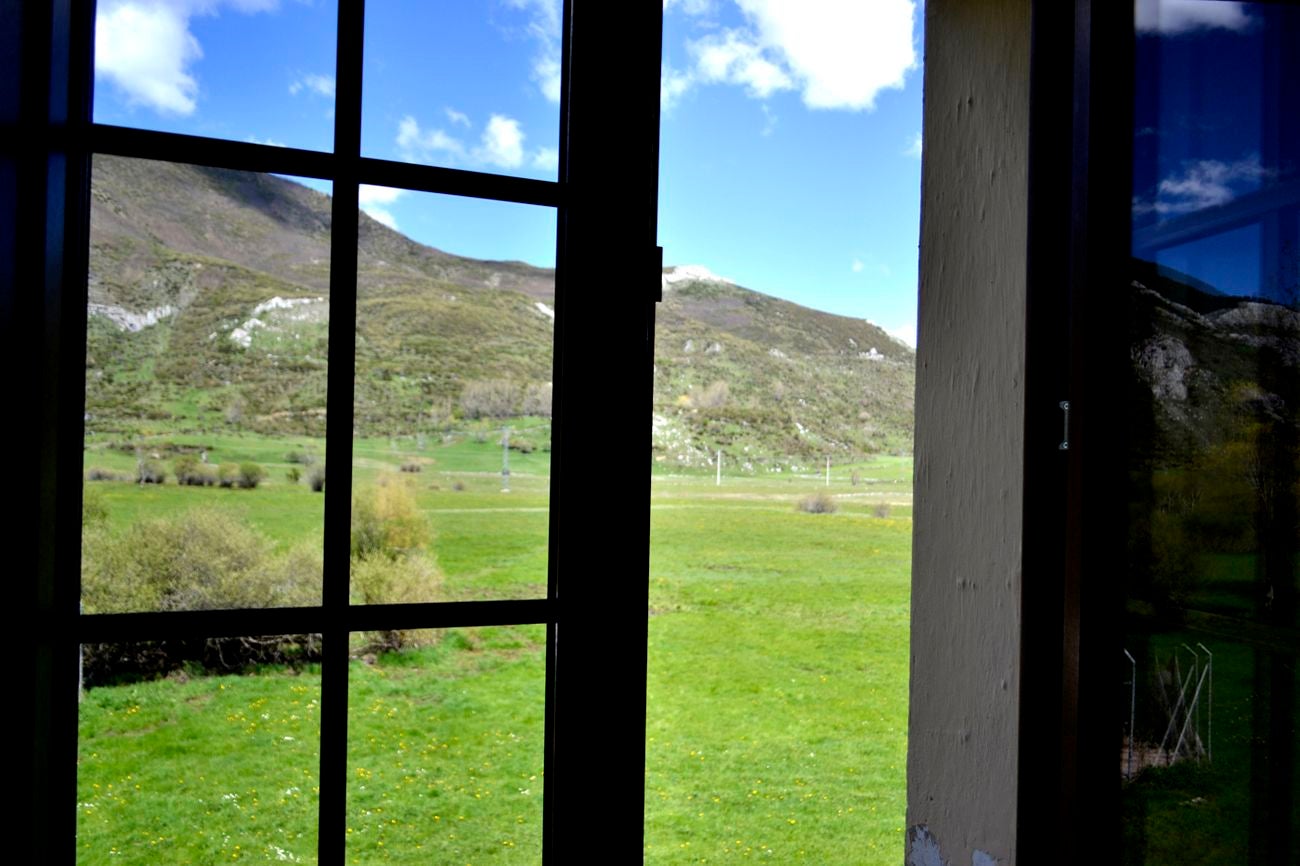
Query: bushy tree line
x=207, y=559
x=501, y=398
x=190, y=472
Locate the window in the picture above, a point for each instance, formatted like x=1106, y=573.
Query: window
x=593, y=608
x=1162, y=513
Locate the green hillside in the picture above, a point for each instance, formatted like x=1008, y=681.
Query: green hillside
x=210, y=302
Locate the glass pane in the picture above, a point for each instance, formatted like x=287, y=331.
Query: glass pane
x=781, y=471
x=205, y=389
x=247, y=70
x=469, y=85
x=1209, y=673
x=451, y=456
x=199, y=751
x=445, y=746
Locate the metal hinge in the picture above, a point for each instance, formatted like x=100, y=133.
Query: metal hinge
x=1065, y=442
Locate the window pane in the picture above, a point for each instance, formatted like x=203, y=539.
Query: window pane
x=247, y=70
x=1208, y=674
x=469, y=85
x=205, y=389
x=199, y=751
x=445, y=748
x=780, y=509
x=451, y=460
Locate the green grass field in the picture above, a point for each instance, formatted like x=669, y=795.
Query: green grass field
x=777, y=681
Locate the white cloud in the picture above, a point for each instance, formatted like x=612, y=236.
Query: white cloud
x=322, y=85
x=146, y=50
x=857, y=266
x=546, y=71
x=457, y=118
x=840, y=54
x=417, y=145
x=906, y=333
x=378, y=195
x=843, y=52
x=1183, y=16
x=253, y=139
x=732, y=58
x=1202, y=184
x=544, y=27
x=502, y=143
x=376, y=201
x=546, y=158
x=689, y=7
x=673, y=84
x=914, y=149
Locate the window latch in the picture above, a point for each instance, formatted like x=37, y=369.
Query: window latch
x=657, y=287
x=1065, y=440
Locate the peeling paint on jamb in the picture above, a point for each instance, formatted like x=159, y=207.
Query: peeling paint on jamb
x=923, y=850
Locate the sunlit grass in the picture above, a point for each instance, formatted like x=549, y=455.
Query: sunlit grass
x=777, y=682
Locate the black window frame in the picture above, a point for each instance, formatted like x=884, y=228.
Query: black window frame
x=605, y=199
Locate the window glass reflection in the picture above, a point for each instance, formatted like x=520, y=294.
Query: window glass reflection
x=1209, y=666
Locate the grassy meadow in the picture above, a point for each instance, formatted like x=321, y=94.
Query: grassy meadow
x=777, y=679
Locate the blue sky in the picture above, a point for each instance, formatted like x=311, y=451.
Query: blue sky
x=790, y=130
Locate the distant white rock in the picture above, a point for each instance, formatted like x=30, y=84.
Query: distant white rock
x=243, y=335
x=279, y=303
x=125, y=320
x=692, y=274
x=545, y=310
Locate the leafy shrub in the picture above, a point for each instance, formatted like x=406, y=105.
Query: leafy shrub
x=250, y=475
x=378, y=579
x=458, y=486
x=303, y=457
x=523, y=446
x=228, y=474
x=201, y=559
x=819, y=503
x=98, y=473
x=412, y=466
x=190, y=471
x=292, y=475
x=715, y=396
x=94, y=511
x=881, y=510
x=390, y=563
x=386, y=521
x=316, y=478
x=150, y=472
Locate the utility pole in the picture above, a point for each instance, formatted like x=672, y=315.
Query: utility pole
x=718, y=483
x=505, y=459
x=828, y=472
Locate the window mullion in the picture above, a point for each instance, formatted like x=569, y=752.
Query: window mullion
x=338, y=434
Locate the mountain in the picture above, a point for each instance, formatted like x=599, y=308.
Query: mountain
x=209, y=302
x=765, y=379
x=1207, y=364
